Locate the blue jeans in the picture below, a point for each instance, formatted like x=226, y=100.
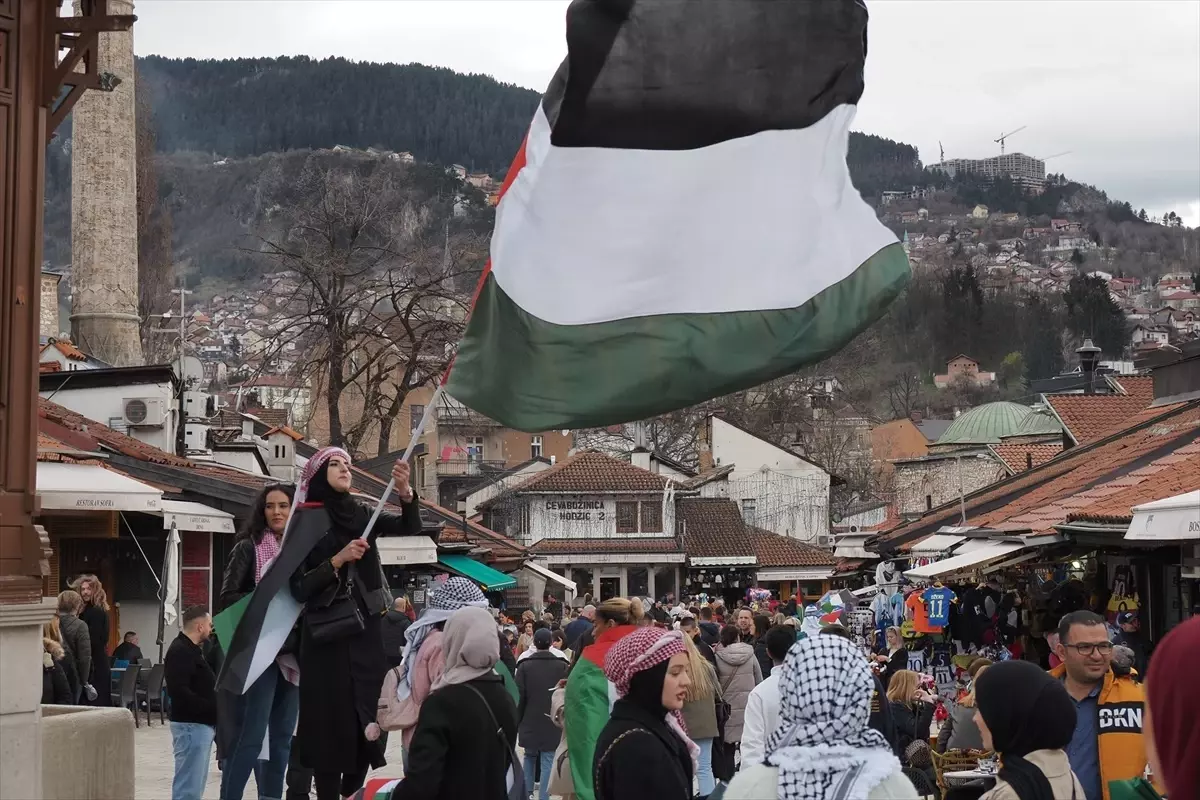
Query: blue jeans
x=546, y=760
x=704, y=773
x=269, y=709
x=192, y=743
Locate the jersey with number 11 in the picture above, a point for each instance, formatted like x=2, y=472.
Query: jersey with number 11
x=937, y=604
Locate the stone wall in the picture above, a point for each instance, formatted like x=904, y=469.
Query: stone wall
x=104, y=272
x=49, y=324
x=930, y=483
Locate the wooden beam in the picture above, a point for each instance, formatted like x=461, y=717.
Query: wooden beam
x=111, y=24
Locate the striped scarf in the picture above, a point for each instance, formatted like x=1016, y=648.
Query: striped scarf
x=265, y=551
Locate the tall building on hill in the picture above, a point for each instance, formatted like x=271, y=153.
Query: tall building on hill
x=1025, y=170
x=104, y=274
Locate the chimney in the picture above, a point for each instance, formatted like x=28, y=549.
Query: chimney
x=1028, y=460
x=704, y=446
x=1089, y=356
x=48, y=324
x=247, y=428
x=915, y=416
x=640, y=458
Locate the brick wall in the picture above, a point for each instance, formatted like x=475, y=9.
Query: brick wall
x=938, y=481
x=196, y=560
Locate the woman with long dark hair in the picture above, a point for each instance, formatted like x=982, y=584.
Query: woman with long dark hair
x=269, y=707
x=95, y=616
x=342, y=586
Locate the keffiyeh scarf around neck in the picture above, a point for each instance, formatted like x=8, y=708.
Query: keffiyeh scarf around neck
x=454, y=594
x=823, y=745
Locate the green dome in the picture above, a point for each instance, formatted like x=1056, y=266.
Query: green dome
x=1040, y=423
x=985, y=424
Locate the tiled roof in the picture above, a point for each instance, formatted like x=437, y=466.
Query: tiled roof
x=1088, y=418
x=1150, y=436
x=616, y=544
x=67, y=349
x=712, y=527
x=285, y=430
x=1014, y=455
x=704, y=478
x=1141, y=386
x=592, y=472
x=274, y=417
x=774, y=550
x=500, y=545
x=1173, y=475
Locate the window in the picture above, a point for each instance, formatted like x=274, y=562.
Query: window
x=651, y=517
x=475, y=448
x=627, y=516
x=748, y=511
x=415, y=412
x=928, y=502
x=535, y=447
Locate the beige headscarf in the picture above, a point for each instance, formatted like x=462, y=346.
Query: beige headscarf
x=471, y=644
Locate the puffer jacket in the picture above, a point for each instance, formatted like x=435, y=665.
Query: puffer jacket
x=77, y=640
x=738, y=673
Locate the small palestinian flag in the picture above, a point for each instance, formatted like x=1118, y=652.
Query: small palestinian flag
x=679, y=222
x=376, y=789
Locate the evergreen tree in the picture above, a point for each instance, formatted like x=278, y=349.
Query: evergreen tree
x=1092, y=313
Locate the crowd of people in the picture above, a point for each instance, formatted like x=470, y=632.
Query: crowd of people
x=619, y=699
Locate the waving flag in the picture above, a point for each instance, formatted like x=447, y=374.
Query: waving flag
x=679, y=222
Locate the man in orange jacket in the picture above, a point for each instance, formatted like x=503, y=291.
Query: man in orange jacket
x=1107, y=745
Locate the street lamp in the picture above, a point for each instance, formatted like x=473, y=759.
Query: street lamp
x=1089, y=356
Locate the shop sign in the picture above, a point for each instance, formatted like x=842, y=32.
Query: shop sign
x=576, y=510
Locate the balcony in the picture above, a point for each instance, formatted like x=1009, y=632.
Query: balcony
x=451, y=413
x=474, y=467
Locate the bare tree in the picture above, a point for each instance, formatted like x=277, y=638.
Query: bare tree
x=155, y=257
x=373, y=307
x=904, y=391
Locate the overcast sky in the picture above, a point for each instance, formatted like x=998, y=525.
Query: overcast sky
x=1114, y=82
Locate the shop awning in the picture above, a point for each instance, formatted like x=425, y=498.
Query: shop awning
x=187, y=516
x=965, y=561
x=550, y=575
x=88, y=487
x=937, y=543
x=399, y=551
x=723, y=561
x=1171, y=519
x=489, y=580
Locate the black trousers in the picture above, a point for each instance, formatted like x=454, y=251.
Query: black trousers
x=299, y=777
x=336, y=785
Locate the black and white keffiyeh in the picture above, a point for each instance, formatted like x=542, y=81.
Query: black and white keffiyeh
x=452, y=595
x=823, y=745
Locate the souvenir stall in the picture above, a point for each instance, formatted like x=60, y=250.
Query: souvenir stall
x=727, y=582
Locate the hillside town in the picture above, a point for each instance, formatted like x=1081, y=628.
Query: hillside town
x=306, y=416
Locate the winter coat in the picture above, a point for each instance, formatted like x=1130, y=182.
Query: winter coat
x=96, y=619
x=639, y=757
x=341, y=680
x=536, y=677
x=710, y=633
x=574, y=630
x=700, y=715
x=764, y=658
x=395, y=623
x=1057, y=769
x=959, y=731
x=68, y=665
x=55, y=688
x=912, y=724
x=896, y=662
x=739, y=673
x=78, y=641
x=456, y=752
x=428, y=666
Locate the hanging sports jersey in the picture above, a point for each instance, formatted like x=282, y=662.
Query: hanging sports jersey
x=937, y=601
x=916, y=660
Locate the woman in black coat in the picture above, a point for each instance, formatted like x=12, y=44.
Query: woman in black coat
x=95, y=616
x=457, y=751
x=340, y=679
x=896, y=658
x=912, y=709
x=56, y=690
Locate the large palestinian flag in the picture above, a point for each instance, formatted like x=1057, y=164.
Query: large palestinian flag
x=679, y=222
x=588, y=702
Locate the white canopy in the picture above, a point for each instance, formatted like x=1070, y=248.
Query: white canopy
x=550, y=575
x=187, y=516
x=965, y=561
x=937, y=543
x=1171, y=519
x=90, y=487
x=397, y=551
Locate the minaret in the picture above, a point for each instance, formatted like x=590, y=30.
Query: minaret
x=104, y=271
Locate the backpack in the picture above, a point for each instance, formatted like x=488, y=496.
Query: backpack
x=392, y=713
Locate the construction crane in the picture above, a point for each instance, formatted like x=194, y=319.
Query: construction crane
x=1004, y=136
x=1056, y=155
x=941, y=154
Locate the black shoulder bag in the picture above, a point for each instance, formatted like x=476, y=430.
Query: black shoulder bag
x=340, y=619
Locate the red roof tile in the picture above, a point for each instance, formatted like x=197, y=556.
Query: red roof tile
x=712, y=527
x=617, y=544
x=592, y=472
x=285, y=430
x=1088, y=418
x=1170, y=476
x=67, y=349
x=500, y=545
x=1017, y=457
x=1141, y=386
x=1117, y=460
x=774, y=550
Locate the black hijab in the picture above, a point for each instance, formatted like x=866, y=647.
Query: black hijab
x=645, y=690
x=1025, y=709
x=349, y=518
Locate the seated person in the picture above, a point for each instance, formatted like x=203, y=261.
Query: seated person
x=128, y=649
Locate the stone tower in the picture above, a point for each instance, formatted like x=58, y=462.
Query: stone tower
x=104, y=256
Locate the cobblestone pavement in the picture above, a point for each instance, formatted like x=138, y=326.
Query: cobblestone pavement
x=155, y=765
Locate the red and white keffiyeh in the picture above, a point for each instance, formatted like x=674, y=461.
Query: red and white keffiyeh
x=641, y=650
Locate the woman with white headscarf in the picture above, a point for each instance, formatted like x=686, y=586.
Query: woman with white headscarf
x=462, y=746
x=424, y=659
x=823, y=748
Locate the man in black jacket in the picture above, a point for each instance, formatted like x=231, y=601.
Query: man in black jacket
x=580, y=626
x=395, y=623
x=192, y=687
x=537, y=675
x=710, y=631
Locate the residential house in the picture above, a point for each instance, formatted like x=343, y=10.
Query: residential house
x=280, y=392
x=59, y=355
x=1152, y=334
x=979, y=212
x=898, y=439
x=139, y=401
x=963, y=368
x=1182, y=300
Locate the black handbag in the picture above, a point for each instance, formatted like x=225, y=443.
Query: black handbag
x=340, y=619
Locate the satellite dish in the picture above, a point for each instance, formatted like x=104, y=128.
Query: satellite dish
x=193, y=369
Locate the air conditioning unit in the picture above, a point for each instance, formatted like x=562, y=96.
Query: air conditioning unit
x=145, y=412
x=824, y=540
